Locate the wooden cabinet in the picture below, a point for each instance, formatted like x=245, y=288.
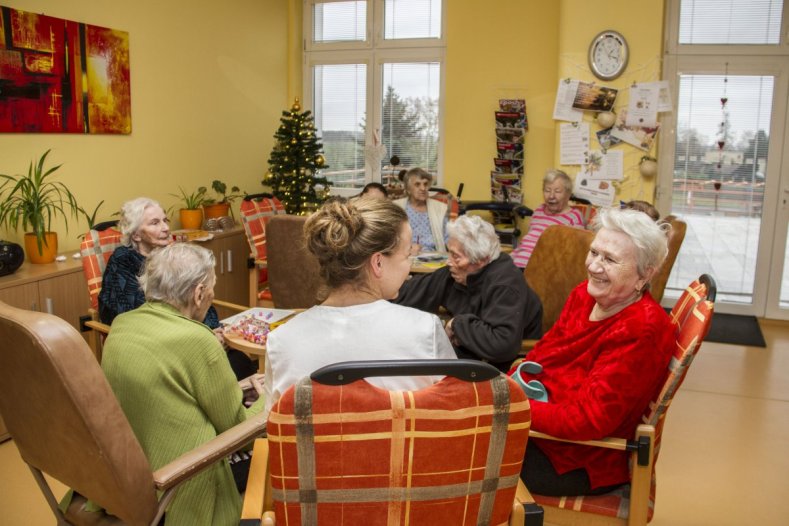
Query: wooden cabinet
x=58, y=288
x=231, y=251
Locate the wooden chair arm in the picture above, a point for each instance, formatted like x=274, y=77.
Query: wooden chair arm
x=98, y=326
x=205, y=455
x=642, y=445
x=609, y=443
x=525, y=512
x=528, y=345
x=257, y=498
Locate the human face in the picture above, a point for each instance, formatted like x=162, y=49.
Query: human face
x=460, y=267
x=611, y=266
x=204, y=296
x=396, y=266
x=556, y=197
x=417, y=189
x=154, y=232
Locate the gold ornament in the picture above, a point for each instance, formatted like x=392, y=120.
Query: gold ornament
x=293, y=141
x=319, y=160
x=296, y=106
x=268, y=176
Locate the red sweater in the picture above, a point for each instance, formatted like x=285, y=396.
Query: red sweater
x=600, y=377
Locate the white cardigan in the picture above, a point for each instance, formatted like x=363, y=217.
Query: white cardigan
x=436, y=212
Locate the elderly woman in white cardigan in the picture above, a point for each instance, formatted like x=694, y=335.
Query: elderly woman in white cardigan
x=427, y=217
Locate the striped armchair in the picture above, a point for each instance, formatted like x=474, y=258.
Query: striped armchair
x=634, y=504
x=96, y=248
x=256, y=211
x=341, y=451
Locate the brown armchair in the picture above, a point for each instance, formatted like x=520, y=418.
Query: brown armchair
x=293, y=272
x=66, y=422
x=675, y=238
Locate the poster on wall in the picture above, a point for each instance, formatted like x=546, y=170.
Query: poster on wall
x=59, y=76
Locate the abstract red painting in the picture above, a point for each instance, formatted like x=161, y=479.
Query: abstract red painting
x=60, y=76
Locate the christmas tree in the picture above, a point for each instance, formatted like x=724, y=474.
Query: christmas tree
x=294, y=163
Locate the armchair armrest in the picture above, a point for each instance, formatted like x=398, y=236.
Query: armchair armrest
x=257, y=498
x=231, y=306
x=97, y=326
x=642, y=445
x=205, y=455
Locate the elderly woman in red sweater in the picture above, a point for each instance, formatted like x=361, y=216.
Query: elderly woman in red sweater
x=595, y=372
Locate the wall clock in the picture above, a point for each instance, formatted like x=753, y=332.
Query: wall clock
x=608, y=54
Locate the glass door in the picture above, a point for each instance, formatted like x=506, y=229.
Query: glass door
x=725, y=179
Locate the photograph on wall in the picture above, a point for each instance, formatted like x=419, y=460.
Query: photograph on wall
x=636, y=135
x=605, y=138
x=591, y=97
x=59, y=76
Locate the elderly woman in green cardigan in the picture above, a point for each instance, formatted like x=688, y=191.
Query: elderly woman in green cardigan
x=170, y=375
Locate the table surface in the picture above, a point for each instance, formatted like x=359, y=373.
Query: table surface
x=234, y=340
x=419, y=266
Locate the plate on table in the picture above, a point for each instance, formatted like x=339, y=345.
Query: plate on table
x=431, y=257
x=268, y=315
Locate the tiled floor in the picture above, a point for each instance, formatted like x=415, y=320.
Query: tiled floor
x=724, y=458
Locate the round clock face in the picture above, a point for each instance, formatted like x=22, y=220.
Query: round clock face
x=608, y=55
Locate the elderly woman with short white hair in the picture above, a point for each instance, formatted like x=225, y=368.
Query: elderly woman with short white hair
x=171, y=378
x=145, y=227
x=491, y=307
x=427, y=217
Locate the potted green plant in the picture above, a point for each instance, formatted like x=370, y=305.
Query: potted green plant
x=221, y=205
x=34, y=200
x=191, y=213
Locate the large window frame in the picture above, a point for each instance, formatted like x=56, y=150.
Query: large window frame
x=750, y=59
x=374, y=52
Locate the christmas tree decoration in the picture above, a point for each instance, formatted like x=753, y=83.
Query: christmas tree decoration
x=295, y=162
x=723, y=128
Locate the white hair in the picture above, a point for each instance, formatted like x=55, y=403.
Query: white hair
x=132, y=213
x=479, y=239
x=553, y=174
x=649, y=237
x=172, y=273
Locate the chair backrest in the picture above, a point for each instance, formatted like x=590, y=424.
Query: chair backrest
x=294, y=273
x=64, y=417
x=356, y=454
x=256, y=210
x=557, y=265
x=444, y=196
x=96, y=249
x=675, y=238
x=588, y=212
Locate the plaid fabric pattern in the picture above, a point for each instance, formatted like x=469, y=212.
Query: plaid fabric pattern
x=453, y=208
x=255, y=214
x=357, y=454
x=692, y=314
x=96, y=249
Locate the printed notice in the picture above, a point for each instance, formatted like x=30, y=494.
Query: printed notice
x=574, y=143
x=606, y=165
x=565, y=96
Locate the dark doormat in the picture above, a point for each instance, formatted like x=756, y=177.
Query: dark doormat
x=737, y=330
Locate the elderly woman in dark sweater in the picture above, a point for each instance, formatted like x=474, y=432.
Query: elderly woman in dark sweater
x=145, y=227
x=491, y=307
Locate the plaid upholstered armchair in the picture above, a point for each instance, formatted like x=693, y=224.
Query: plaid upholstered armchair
x=341, y=451
x=634, y=503
x=256, y=211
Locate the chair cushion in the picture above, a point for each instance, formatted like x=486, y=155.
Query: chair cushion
x=613, y=504
x=96, y=249
x=254, y=215
x=442, y=455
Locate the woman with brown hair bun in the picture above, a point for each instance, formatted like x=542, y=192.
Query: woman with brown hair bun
x=363, y=251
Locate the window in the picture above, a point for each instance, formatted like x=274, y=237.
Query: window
x=373, y=77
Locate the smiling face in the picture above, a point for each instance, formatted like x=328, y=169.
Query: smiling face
x=556, y=197
x=417, y=189
x=460, y=267
x=397, y=265
x=154, y=231
x=611, y=267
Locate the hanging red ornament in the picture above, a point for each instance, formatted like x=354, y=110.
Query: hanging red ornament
x=724, y=100
x=721, y=144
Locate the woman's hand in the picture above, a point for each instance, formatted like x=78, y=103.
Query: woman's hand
x=450, y=333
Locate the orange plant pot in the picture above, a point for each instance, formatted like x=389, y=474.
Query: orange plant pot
x=49, y=248
x=191, y=219
x=216, y=210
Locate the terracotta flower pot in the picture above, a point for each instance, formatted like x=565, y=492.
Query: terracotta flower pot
x=216, y=210
x=49, y=248
x=191, y=219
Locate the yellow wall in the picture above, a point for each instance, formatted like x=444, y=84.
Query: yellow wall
x=505, y=49
x=209, y=81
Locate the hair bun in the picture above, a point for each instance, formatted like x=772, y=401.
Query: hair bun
x=336, y=224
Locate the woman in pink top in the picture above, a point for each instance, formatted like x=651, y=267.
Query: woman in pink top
x=556, y=189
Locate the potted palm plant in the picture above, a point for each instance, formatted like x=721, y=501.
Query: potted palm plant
x=191, y=214
x=221, y=205
x=33, y=200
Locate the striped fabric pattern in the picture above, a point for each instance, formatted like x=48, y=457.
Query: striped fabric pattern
x=692, y=314
x=537, y=225
x=96, y=249
x=587, y=213
x=356, y=454
x=453, y=208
